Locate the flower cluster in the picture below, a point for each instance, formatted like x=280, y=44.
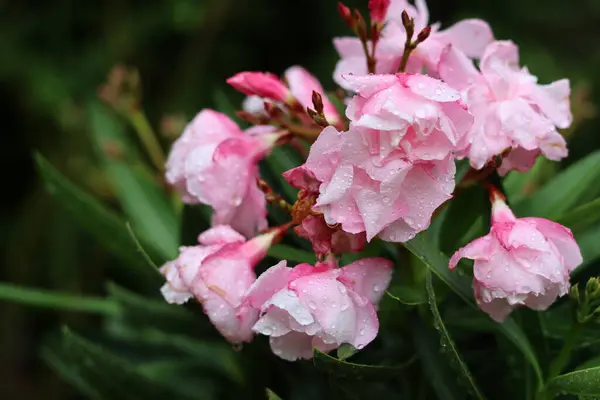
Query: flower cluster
x=415, y=102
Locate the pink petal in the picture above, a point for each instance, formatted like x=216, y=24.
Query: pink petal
x=471, y=36
x=368, y=277
x=292, y=346
x=302, y=84
x=456, y=69
x=368, y=85
x=288, y=300
x=562, y=238
x=430, y=88
x=499, y=54
x=268, y=283
x=302, y=178
x=497, y=308
x=367, y=324
x=220, y=234
x=553, y=101
x=274, y=323
x=227, y=275
x=478, y=249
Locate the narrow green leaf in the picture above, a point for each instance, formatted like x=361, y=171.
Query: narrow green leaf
x=107, y=374
x=583, y=382
x=441, y=378
x=447, y=342
x=95, y=218
x=144, y=202
x=590, y=250
x=348, y=370
x=437, y=262
x=70, y=373
x=271, y=395
x=463, y=213
x=583, y=217
x=57, y=300
x=280, y=160
x=563, y=192
x=407, y=295
x=289, y=253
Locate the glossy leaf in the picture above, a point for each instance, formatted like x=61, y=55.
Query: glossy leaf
x=271, y=395
x=563, y=192
x=289, y=253
x=447, y=342
x=144, y=202
x=583, y=382
x=346, y=351
x=583, y=217
x=352, y=371
x=440, y=377
x=56, y=300
x=106, y=226
x=107, y=374
x=407, y=295
x=437, y=262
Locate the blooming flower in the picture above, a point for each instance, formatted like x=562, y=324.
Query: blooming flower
x=312, y=226
x=511, y=110
x=470, y=36
x=321, y=306
x=218, y=274
x=215, y=163
x=522, y=261
x=417, y=113
x=378, y=192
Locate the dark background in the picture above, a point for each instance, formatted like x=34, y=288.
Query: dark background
x=55, y=54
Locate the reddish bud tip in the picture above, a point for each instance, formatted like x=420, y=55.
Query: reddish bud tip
x=424, y=34
x=317, y=101
x=346, y=14
x=408, y=23
x=378, y=10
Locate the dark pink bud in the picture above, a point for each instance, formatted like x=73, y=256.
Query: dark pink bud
x=262, y=84
x=378, y=10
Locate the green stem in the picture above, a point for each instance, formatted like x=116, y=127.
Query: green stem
x=563, y=357
x=146, y=134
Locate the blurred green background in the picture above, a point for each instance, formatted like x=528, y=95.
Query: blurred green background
x=55, y=54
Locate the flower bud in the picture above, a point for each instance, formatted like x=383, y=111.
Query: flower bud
x=424, y=34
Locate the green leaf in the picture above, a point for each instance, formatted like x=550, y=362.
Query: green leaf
x=345, y=351
x=437, y=262
x=108, y=375
x=144, y=202
x=447, y=342
x=96, y=219
x=407, y=295
x=289, y=253
x=463, y=221
x=280, y=160
x=583, y=382
x=590, y=250
x=57, y=300
x=352, y=371
x=583, y=217
x=271, y=395
x=441, y=378
x=563, y=192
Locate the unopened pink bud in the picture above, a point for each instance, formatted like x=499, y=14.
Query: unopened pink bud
x=378, y=9
x=262, y=84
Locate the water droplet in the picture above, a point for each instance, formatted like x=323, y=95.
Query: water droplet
x=312, y=305
x=361, y=332
x=376, y=288
x=344, y=307
x=267, y=330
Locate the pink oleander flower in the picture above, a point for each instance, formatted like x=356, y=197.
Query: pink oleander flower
x=378, y=191
x=262, y=84
x=324, y=238
x=321, y=306
x=419, y=114
x=470, y=36
x=301, y=85
x=512, y=111
x=215, y=163
x=218, y=273
x=521, y=262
